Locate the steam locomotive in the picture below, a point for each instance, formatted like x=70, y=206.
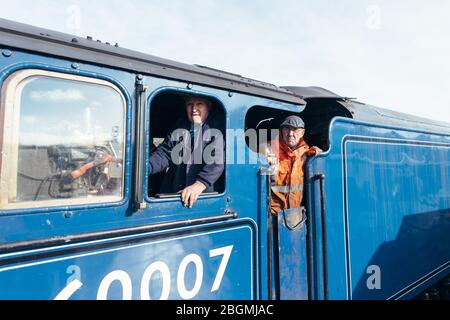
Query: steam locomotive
x=81, y=218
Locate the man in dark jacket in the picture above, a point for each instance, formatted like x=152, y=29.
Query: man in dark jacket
x=193, y=152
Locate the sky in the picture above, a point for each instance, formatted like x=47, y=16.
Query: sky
x=94, y=112
x=390, y=53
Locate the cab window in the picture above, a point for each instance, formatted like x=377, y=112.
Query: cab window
x=62, y=140
x=168, y=114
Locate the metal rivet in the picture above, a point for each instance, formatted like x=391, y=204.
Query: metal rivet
x=68, y=215
x=189, y=86
x=7, y=53
x=75, y=65
x=230, y=94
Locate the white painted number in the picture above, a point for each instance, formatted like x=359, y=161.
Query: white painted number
x=163, y=269
x=117, y=275
x=197, y=261
x=160, y=267
x=226, y=253
x=69, y=290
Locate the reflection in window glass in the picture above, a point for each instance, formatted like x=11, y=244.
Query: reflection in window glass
x=70, y=143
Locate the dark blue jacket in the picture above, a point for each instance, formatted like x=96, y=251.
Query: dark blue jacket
x=182, y=175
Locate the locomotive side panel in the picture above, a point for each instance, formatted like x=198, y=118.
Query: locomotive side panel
x=388, y=217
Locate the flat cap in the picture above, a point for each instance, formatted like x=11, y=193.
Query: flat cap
x=293, y=121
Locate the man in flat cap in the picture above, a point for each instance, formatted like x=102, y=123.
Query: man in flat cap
x=287, y=153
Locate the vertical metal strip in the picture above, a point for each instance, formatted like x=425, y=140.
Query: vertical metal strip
x=324, y=236
x=321, y=178
x=141, y=96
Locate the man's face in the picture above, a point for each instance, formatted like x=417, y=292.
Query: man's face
x=291, y=135
x=197, y=110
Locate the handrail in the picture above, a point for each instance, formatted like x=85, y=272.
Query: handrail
x=321, y=177
x=141, y=94
x=38, y=243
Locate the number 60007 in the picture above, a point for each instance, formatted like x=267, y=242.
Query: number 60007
x=158, y=266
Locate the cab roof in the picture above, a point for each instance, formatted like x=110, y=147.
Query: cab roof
x=30, y=38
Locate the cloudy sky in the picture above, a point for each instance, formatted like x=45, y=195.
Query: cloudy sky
x=390, y=53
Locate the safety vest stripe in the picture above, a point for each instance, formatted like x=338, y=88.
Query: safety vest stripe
x=287, y=189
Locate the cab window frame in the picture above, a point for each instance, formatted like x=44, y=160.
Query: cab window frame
x=169, y=197
x=10, y=111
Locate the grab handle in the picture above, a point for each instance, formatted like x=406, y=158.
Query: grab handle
x=321, y=178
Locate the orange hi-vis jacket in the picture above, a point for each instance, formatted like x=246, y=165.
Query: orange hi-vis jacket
x=287, y=191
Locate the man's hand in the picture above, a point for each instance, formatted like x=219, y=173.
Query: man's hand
x=313, y=151
x=317, y=150
x=190, y=194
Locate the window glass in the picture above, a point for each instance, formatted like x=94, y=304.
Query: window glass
x=63, y=142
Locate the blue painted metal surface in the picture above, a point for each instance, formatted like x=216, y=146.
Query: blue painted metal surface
x=387, y=211
x=292, y=266
x=45, y=223
x=209, y=263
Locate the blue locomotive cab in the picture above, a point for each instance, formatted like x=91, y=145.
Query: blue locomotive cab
x=378, y=201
